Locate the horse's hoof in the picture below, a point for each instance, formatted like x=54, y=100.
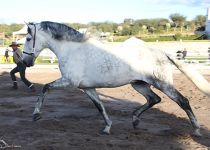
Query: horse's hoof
x=106, y=130
x=135, y=124
x=197, y=133
x=36, y=117
x=135, y=121
x=103, y=132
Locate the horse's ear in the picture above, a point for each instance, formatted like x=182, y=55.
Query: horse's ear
x=27, y=23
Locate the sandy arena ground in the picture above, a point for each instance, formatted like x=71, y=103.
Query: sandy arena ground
x=71, y=121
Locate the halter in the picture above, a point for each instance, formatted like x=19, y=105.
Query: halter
x=34, y=41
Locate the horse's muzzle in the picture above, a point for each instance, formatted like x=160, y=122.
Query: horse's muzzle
x=28, y=61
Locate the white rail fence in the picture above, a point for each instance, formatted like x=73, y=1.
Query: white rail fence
x=202, y=58
x=47, y=54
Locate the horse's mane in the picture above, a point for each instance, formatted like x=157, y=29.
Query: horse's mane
x=62, y=32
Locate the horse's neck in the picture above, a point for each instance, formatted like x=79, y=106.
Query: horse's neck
x=63, y=48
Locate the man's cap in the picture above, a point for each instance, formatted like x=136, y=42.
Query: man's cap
x=14, y=44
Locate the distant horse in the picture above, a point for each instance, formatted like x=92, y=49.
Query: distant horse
x=86, y=63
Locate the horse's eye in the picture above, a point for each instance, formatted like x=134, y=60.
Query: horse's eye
x=28, y=39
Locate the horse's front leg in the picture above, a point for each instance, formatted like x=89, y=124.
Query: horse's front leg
x=91, y=92
x=62, y=82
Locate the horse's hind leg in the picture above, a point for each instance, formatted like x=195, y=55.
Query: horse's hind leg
x=151, y=97
x=183, y=102
x=91, y=92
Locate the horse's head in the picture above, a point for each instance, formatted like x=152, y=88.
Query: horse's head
x=33, y=44
x=43, y=34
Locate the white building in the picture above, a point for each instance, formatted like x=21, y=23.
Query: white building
x=17, y=35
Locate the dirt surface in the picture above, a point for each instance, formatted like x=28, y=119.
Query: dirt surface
x=71, y=121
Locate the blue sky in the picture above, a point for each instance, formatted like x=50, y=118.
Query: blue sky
x=84, y=11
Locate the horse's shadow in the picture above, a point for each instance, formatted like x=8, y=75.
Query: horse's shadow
x=179, y=128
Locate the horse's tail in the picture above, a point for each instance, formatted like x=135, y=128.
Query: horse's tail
x=193, y=75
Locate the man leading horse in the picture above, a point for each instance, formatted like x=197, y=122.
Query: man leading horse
x=17, y=58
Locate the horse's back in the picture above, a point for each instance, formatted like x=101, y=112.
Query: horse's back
x=107, y=66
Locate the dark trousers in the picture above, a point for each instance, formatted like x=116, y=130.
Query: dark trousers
x=21, y=69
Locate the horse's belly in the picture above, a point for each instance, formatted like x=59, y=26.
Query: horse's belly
x=109, y=84
x=105, y=81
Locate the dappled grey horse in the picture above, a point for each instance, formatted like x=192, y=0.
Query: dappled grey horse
x=86, y=63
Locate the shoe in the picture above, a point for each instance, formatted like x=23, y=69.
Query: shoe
x=14, y=87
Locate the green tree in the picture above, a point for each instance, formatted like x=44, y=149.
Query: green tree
x=128, y=21
x=8, y=29
x=76, y=26
x=105, y=26
x=200, y=20
x=178, y=20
